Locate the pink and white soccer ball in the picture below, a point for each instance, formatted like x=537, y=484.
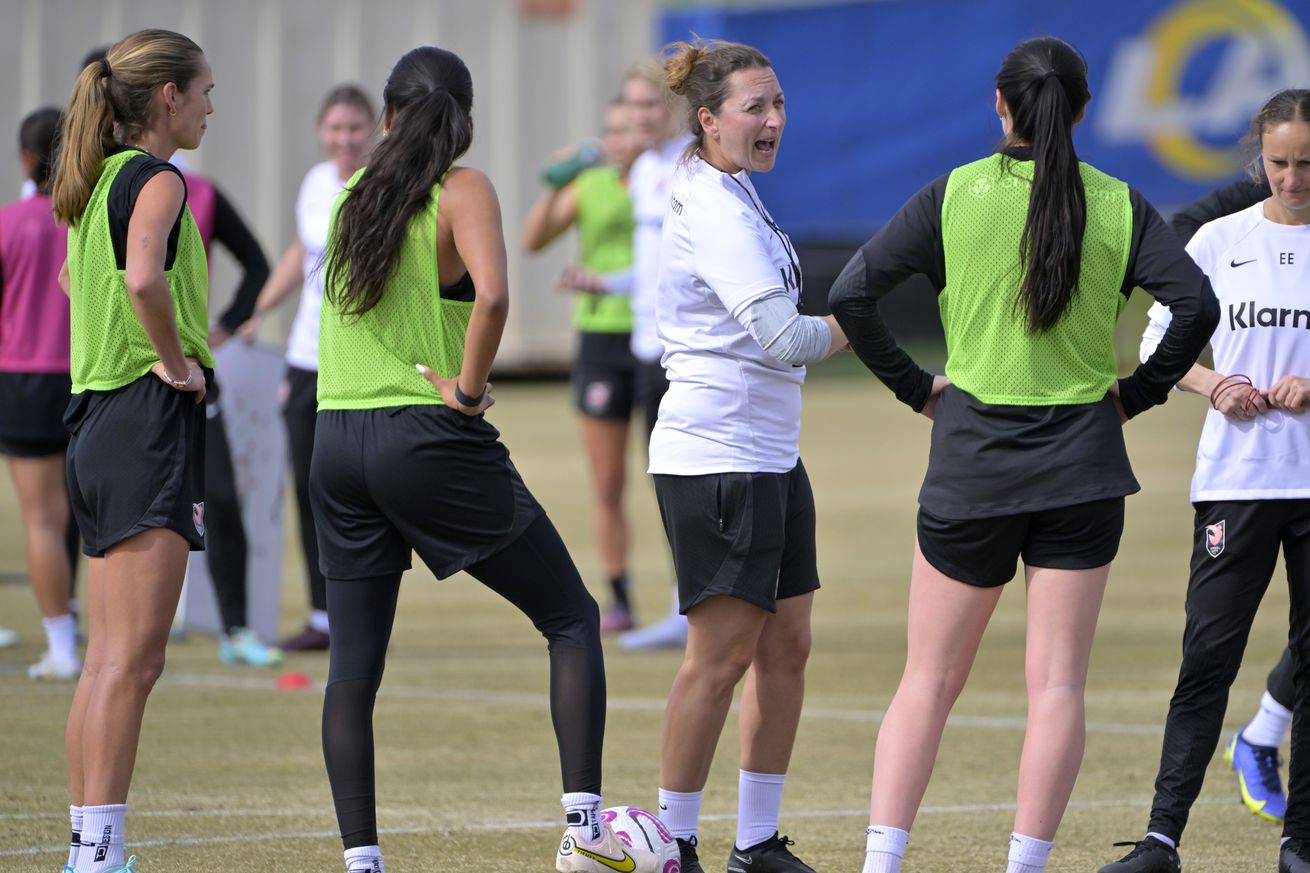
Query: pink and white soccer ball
x=645, y=837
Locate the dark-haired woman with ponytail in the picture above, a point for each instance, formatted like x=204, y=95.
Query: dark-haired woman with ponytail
x=1033, y=255
x=415, y=300
x=138, y=288
x=34, y=388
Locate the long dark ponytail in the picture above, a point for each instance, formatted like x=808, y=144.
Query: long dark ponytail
x=1044, y=84
x=429, y=99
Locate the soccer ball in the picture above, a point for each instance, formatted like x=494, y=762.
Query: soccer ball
x=637, y=834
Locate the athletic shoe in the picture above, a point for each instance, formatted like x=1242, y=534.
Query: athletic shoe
x=50, y=667
x=1294, y=857
x=669, y=632
x=243, y=647
x=770, y=856
x=8, y=637
x=67, y=869
x=308, y=640
x=1149, y=856
x=129, y=867
x=1257, y=778
x=687, y=849
x=616, y=618
x=609, y=855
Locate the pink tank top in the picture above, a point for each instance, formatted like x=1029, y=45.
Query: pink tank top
x=33, y=308
x=200, y=197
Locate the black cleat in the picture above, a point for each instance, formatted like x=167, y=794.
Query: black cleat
x=770, y=856
x=1148, y=856
x=1294, y=857
x=687, y=849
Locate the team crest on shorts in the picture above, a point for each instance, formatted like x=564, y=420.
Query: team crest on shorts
x=597, y=396
x=1216, y=535
x=198, y=517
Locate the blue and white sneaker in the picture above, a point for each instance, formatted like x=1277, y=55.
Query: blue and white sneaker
x=243, y=647
x=1257, y=778
x=129, y=867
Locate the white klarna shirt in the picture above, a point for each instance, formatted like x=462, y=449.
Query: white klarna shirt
x=730, y=407
x=1260, y=271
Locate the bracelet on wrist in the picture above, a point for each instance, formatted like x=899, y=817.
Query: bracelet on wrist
x=464, y=400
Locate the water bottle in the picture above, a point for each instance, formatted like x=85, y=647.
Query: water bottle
x=560, y=173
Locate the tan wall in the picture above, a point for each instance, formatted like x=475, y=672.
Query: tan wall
x=538, y=83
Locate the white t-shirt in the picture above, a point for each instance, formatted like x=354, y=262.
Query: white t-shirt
x=1260, y=271
x=313, y=214
x=648, y=184
x=730, y=407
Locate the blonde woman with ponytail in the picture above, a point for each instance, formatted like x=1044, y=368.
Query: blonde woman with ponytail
x=138, y=287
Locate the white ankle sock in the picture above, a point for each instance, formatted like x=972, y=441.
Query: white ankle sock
x=759, y=798
x=680, y=810
x=75, y=843
x=102, y=838
x=1171, y=843
x=582, y=815
x=1028, y=854
x=884, y=847
x=364, y=859
x=1270, y=725
x=61, y=637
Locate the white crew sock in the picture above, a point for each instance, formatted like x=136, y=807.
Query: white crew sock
x=61, y=637
x=102, y=838
x=759, y=797
x=680, y=810
x=75, y=843
x=318, y=620
x=1028, y=854
x=582, y=814
x=884, y=847
x=1162, y=838
x=1270, y=725
x=364, y=859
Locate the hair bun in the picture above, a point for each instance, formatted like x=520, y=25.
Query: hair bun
x=678, y=66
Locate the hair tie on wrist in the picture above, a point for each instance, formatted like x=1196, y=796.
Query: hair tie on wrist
x=464, y=400
x=1226, y=384
x=105, y=72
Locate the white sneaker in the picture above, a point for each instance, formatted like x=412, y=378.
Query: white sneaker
x=669, y=632
x=50, y=667
x=610, y=855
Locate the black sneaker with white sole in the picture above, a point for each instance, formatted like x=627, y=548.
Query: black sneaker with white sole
x=770, y=856
x=1148, y=856
x=1294, y=857
x=687, y=850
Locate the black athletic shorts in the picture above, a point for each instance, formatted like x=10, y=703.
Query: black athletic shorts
x=983, y=551
x=427, y=479
x=136, y=461
x=32, y=414
x=743, y=535
x=604, y=376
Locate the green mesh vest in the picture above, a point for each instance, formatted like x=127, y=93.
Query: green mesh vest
x=109, y=347
x=606, y=224
x=989, y=352
x=367, y=362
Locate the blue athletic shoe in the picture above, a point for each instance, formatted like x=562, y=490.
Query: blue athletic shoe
x=243, y=647
x=1257, y=778
x=129, y=867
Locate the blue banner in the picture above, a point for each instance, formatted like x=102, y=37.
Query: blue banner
x=883, y=97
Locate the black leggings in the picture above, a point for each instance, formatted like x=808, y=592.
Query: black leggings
x=225, y=535
x=536, y=574
x=300, y=414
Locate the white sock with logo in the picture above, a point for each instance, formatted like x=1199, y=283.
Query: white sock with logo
x=884, y=847
x=102, y=838
x=680, y=812
x=364, y=859
x=759, y=798
x=1270, y=725
x=75, y=843
x=61, y=637
x=1028, y=854
x=582, y=814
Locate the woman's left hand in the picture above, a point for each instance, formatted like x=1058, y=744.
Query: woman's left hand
x=446, y=388
x=1290, y=393
x=939, y=384
x=1113, y=391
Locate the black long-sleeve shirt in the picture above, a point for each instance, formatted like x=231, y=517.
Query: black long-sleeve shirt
x=912, y=243
x=233, y=234
x=1225, y=201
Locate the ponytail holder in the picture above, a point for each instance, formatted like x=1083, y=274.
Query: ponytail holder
x=1050, y=74
x=105, y=72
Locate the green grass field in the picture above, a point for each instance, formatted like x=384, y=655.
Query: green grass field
x=230, y=774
